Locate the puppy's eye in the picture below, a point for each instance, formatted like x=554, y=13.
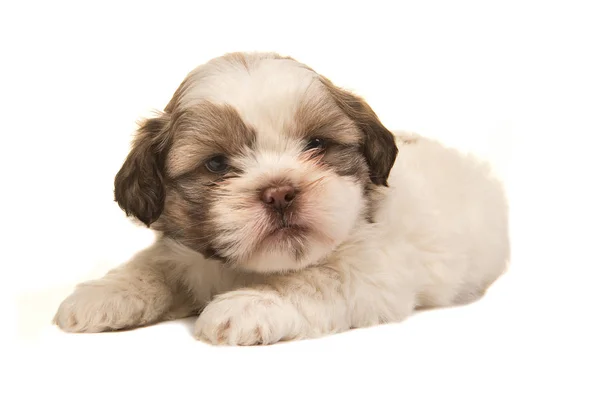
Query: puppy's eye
x=217, y=164
x=315, y=143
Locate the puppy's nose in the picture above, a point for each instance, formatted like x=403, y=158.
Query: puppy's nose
x=279, y=196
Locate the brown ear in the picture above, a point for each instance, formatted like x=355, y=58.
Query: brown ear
x=139, y=184
x=379, y=146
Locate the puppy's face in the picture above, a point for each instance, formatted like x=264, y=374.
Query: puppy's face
x=257, y=161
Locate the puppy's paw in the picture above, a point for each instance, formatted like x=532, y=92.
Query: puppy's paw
x=100, y=307
x=247, y=317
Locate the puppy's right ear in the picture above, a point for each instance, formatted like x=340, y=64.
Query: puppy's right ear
x=139, y=184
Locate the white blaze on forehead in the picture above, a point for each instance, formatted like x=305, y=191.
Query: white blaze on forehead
x=266, y=165
x=265, y=92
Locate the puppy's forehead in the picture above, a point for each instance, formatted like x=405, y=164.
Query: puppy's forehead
x=265, y=92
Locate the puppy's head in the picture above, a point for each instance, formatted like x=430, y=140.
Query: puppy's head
x=258, y=161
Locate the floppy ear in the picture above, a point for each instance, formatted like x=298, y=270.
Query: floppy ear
x=379, y=146
x=139, y=184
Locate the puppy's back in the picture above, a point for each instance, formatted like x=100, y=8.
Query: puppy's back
x=451, y=210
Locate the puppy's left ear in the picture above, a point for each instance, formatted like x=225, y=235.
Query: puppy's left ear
x=379, y=146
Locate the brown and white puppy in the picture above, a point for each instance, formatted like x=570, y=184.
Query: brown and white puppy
x=285, y=209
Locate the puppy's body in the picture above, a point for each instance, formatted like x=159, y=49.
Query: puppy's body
x=375, y=229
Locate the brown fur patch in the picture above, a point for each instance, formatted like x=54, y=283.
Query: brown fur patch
x=203, y=131
x=347, y=161
x=320, y=117
x=199, y=132
x=378, y=144
x=139, y=184
x=185, y=215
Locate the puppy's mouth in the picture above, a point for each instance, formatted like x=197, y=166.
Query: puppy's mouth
x=286, y=224
x=287, y=231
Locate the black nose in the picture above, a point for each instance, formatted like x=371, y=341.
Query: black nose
x=279, y=196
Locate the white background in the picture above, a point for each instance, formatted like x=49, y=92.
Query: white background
x=514, y=82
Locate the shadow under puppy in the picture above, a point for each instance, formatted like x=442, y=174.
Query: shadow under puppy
x=284, y=209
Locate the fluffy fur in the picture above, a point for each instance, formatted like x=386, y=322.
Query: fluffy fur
x=379, y=224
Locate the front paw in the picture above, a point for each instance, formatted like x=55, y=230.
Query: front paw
x=98, y=307
x=248, y=317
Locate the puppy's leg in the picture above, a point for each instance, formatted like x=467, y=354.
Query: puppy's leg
x=138, y=293
x=306, y=304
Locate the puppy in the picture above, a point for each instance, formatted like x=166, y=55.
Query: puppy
x=284, y=209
